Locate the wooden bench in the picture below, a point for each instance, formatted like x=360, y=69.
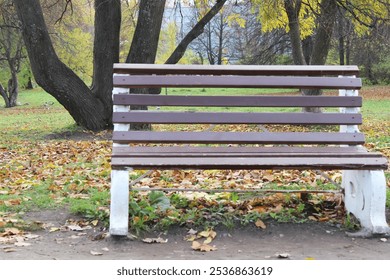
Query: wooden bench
x=363, y=176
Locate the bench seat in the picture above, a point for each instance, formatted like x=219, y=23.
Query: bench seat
x=246, y=158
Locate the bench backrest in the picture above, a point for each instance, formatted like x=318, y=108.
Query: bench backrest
x=201, y=76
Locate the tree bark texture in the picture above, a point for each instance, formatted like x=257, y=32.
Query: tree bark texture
x=4, y=94
x=292, y=9
x=53, y=75
x=324, y=32
x=322, y=41
x=105, y=49
x=144, y=45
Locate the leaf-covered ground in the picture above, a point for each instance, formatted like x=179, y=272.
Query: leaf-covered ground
x=72, y=168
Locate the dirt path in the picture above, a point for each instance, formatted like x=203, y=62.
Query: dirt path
x=300, y=241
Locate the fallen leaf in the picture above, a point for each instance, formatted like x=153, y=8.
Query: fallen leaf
x=105, y=249
x=202, y=247
x=75, y=228
x=383, y=239
x=53, y=229
x=9, y=250
x=9, y=232
x=207, y=234
x=192, y=232
x=31, y=236
x=2, y=223
x=154, y=240
x=99, y=236
x=283, y=255
x=260, y=224
x=95, y=222
x=95, y=253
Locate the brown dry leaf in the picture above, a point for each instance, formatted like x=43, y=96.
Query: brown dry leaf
x=9, y=250
x=95, y=222
x=95, y=253
x=155, y=240
x=260, y=224
x=283, y=255
x=9, y=232
x=75, y=228
x=2, y=223
x=202, y=247
x=207, y=234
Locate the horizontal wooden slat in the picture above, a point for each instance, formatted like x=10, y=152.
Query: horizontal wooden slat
x=138, y=81
x=191, y=151
x=237, y=137
x=250, y=163
x=126, y=68
x=236, y=118
x=237, y=101
x=143, y=150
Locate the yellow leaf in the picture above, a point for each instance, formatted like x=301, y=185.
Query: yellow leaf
x=53, y=229
x=202, y=247
x=260, y=224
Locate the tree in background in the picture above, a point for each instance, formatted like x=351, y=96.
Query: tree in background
x=315, y=20
x=91, y=107
x=11, y=53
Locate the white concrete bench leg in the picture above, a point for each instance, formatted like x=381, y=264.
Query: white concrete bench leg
x=365, y=198
x=119, y=209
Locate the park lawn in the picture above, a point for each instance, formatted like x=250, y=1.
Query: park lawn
x=40, y=169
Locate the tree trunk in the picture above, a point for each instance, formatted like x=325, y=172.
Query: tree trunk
x=322, y=42
x=13, y=90
x=324, y=32
x=4, y=94
x=106, y=49
x=144, y=45
x=341, y=46
x=29, y=83
x=53, y=75
x=220, y=41
x=294, y=32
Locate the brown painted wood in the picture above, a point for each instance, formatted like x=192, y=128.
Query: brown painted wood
x=126, y=68
x=123, y=150
x=251, y=163
x=191, y=151
x=292, y=138
x=237, y=101
x=138, y=81
x=236, y=118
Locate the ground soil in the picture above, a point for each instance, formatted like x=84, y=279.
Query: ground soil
x=311, y=240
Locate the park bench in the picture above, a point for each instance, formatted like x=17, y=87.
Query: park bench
x=363, y=179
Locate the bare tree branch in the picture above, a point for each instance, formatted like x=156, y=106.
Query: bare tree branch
x=195, y=32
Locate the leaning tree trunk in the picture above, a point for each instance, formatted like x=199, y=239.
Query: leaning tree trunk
x=322, y=42
x=143, y=48
x=87, y=109
x=292, y=10
x=194, y=33
x=4, y=94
